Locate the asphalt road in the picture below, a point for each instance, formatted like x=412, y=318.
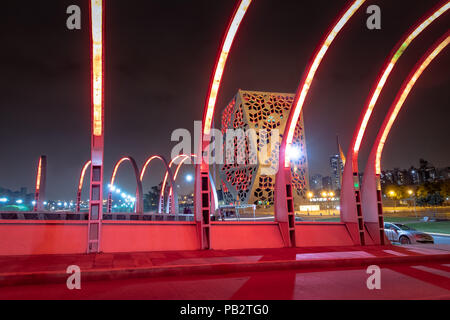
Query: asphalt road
x=428, y=281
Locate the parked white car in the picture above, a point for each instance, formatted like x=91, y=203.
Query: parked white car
x=397, y=232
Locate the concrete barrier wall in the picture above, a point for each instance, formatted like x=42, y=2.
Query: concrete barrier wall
x=132, y=236
x=23, y=237
x=314, y=234
x=42, y=237
x=241, y=235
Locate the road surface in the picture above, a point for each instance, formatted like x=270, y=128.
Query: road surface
x=426, y=281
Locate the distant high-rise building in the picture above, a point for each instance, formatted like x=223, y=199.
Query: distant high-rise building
x=327, y=183
x=337, y=169
x=414, y=174
x=315, y=182
x=444, y=173
x=427, y=172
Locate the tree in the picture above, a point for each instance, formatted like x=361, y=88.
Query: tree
x=445, y=188
x=435, y=199
x=396, y=192
x=151, y=198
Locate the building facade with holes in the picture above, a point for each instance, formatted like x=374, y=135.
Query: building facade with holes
x=250, y=177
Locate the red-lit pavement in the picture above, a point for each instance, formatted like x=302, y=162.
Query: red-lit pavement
x=339, y=274
x=425, y=281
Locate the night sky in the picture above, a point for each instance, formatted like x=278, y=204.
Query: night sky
x=159, y=58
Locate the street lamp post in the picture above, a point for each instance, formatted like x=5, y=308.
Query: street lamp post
x=324, y=195
x=309, y=195
x=392, y=194
x=413, y=196
x=331, y=195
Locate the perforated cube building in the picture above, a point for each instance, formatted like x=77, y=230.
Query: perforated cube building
x=262, y=117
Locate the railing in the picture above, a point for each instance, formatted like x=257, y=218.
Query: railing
x=30, y=215
x=69, y=215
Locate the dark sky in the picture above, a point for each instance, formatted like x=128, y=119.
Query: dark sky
x=159, y=57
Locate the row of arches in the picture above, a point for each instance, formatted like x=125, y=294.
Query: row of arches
x=351, y=211
x=172, y=201
x=139, y=176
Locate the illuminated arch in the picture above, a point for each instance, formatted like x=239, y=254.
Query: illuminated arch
x=371, y=187
x=171, y=198
x=284, y=206
x=41, y=177
x=183, y=157
x=308, y=77
x=350, y=197
x=139, y=200
x=202, y=170
x=80, y=185
x=168, y=173
x=97, y=26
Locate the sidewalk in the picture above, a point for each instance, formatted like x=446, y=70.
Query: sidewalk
x=38, y=269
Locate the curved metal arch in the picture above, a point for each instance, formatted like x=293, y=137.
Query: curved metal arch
x=41, y=181
x=371, y=187
x=284, y=205
x=308, y=77
x=80, y=185
x=183, y=157
x=172, y=199
x=202, y=213
x=139, y=199
x=168, y=171
x=350, y=179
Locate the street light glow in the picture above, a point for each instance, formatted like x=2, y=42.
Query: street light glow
x=293, y=152
x=189, y=177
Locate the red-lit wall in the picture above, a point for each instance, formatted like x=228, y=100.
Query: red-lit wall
x=240, y=235
x=129, y=236
x=313, y=234
x=47, y=237
x=25, y=237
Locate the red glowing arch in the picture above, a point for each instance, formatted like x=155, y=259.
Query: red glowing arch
x=202, y=169
x=350, y=204
x=284, y=206
x=183, y=157
x=80, y=185
x=139, y=200
x=371, y=189
x=41, y=177
x=168, y=174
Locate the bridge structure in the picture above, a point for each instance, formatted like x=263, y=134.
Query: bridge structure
x=361, y=209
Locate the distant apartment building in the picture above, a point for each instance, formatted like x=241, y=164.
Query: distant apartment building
x=337, y=168
x=425, y=173
x=327, y=183
x=315, y=183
